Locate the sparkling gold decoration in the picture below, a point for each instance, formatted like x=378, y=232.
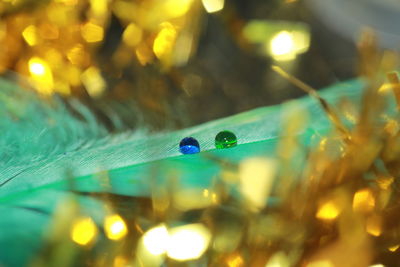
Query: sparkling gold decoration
x=188, y=242
x=115, y=227
x=156, y=240
x=83, y=231
x=328, y=211
x=75, y=31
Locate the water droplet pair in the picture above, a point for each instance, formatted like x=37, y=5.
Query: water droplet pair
x=224, y=139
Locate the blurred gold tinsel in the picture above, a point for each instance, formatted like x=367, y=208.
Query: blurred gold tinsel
x=56, y=43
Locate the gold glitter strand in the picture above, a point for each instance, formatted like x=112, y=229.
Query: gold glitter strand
x=313, y=93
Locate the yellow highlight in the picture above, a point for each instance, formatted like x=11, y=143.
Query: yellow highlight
x=285, y=45
x=83, y=231
x=328, y=211
x=93, y=82
x=115, y=227
x=124, y=9
x=188, y=242
x=374, y=226
x=176, y=8
x=99, y=8
x=41, y=74
x=156, y=240
x=386, y=87
x=206, y=192
x=165, y=40
x=212, y=6
x=393, y=248
x=321, y=263
x=132, y=35
x=282, y=46
x=235, y=261
x=30, y=35
x=256, y=179
x=363, y=201
x=92, y=33
x=181, y=243
x=36, y=67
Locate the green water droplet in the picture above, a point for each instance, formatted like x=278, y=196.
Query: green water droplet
x=225, y=139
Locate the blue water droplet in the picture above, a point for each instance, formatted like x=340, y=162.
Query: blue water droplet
x=189, y=145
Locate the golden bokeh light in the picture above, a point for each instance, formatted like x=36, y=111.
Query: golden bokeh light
x=282, y=46
x=156, y=240
x=188, y=242
x=84, y=231
x=93, y=82
x=374, y=225
x=176, y=8
x=363, y=201
x=180, y=243
x=283, y=41
x=164, y=42
x=286, y=45
x=30, y=35
x=37, y=67
x=92, y=33
x=41, y=74
x=235, y=261
x=73, y=75
x=132, y=35
x=76, y=30
x=393, y=248
x=115, y=227
x=328, y=211
x=256, y=180
x=99, y=8
x=124, y=9
x=212, y=6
